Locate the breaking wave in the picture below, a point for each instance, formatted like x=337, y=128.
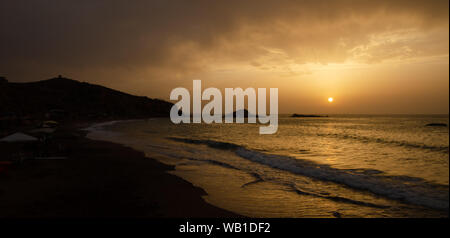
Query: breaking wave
x=403, y=188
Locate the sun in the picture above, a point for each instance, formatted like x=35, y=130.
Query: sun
x=330, y=99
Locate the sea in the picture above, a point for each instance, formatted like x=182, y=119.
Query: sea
x=336, y=166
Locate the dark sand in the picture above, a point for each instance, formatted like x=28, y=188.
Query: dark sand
x=99, y=179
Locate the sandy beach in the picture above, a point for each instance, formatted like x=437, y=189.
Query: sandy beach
x=99, y=179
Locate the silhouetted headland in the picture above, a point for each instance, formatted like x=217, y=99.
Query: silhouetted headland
x=76, y=99
x=64, y=100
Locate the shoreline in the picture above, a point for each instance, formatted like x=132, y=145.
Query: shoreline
x=99, y=179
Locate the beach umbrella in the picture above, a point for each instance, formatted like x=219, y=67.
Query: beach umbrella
x=18, y=137
x=19, y=146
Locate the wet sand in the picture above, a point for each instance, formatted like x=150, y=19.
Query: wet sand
x=99, y=179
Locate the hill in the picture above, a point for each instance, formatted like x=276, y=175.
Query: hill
x=72, y=99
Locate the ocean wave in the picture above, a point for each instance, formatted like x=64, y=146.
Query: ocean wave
x=338, y=198
x=101, y=126
x=365, y=139
x=408, y=189
x=210, y=143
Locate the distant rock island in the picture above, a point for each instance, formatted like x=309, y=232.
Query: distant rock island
x=436, y=124
x=246, y=113
x=70, y=99
x=307, y=115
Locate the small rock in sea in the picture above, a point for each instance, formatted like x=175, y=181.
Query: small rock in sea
x=337, y=214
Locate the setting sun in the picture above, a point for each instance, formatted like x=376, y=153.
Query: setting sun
x=330, y=99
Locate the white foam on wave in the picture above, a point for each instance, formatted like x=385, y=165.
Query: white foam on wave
x=417, y=192
x=409, y=189
x=100, y=126
x=98, y=132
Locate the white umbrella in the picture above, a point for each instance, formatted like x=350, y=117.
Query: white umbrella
x=18, y=137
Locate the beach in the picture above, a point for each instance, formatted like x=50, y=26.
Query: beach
x=99, y=179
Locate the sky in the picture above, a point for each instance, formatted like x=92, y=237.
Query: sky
x=370, y=56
